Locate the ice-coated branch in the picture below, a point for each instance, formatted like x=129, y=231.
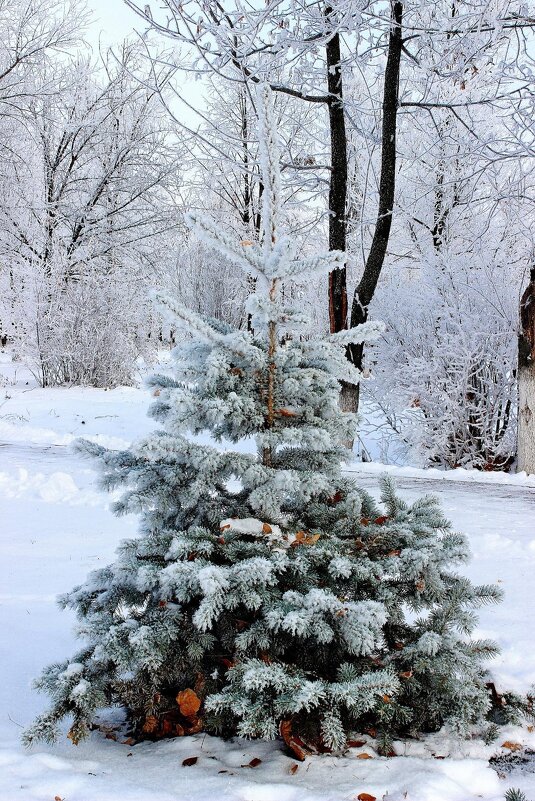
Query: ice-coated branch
x=268, y=149
x=188, y=320
x=245, y=256
x=365, y=332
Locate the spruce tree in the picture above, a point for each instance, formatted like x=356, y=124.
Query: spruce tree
x=265, y=592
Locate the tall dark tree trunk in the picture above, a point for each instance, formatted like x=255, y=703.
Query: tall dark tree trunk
x=337, y=182
x=526, y=379
x=387, y=185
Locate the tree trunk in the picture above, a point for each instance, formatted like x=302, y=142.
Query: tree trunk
x=526, y=380
x=338, y=204
x=337, y=183
x=387, y=185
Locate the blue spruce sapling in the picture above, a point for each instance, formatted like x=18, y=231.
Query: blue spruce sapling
x=265, y=592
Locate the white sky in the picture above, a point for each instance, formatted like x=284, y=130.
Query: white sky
x=113, y=21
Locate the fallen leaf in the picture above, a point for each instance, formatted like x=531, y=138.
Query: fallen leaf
x=293, y=742
x=187, y=763
x=387, y=699
x=406, y=674
x=366, y=797
x=266, y=528
x=129, y=741
x=254, y=763
x=58, y=798
x=188, y=702
x=530, y=729
x=394, y=553
x=420, y=585
x=150, y=725
x=194, y=725
x=286, y=413
x=380, y=520
x=364, y=755
x=224, y=528
x=246, y=242
x=356, y=743
x=293, y=768
x=511, y=746
x=365, y=521
x=162, y=604
x=156, y=393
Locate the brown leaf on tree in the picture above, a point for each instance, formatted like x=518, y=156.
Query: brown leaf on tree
x=221, y=540
x=387, y=699
x=420, y=585
x=187, y=763
x=366, y=797
x=227, y=663
x=399, y=646
x=395, y=552
x=224, y=528
x=292, y=741
x=162, y=604
x=336, y=498
x=179, y=730
x=266, y=528
x=406, y=674
x=236, y=371
x=156, y=393
x=305, y=538
x=188, y=702
x=512, y=746
x=293, y=768
x=200, y=681
x=381, y=519
x=372, y=732
x=364, y=755
x=365, y=521
x=286, y=413
x=254, y=763
x=241, y=624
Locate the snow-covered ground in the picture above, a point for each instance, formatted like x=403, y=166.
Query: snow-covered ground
x=55, y=527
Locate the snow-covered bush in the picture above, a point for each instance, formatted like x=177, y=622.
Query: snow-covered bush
x=266, y=593
x=446, y=366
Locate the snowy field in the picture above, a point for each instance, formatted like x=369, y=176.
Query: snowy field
x=55, y=527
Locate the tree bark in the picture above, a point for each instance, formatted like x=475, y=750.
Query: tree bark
x=526, y=380
x=387, y=185
x=337, y=182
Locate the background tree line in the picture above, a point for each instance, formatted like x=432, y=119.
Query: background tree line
x=408, y=144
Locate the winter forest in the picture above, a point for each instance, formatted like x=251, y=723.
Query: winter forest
x=267, y=400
